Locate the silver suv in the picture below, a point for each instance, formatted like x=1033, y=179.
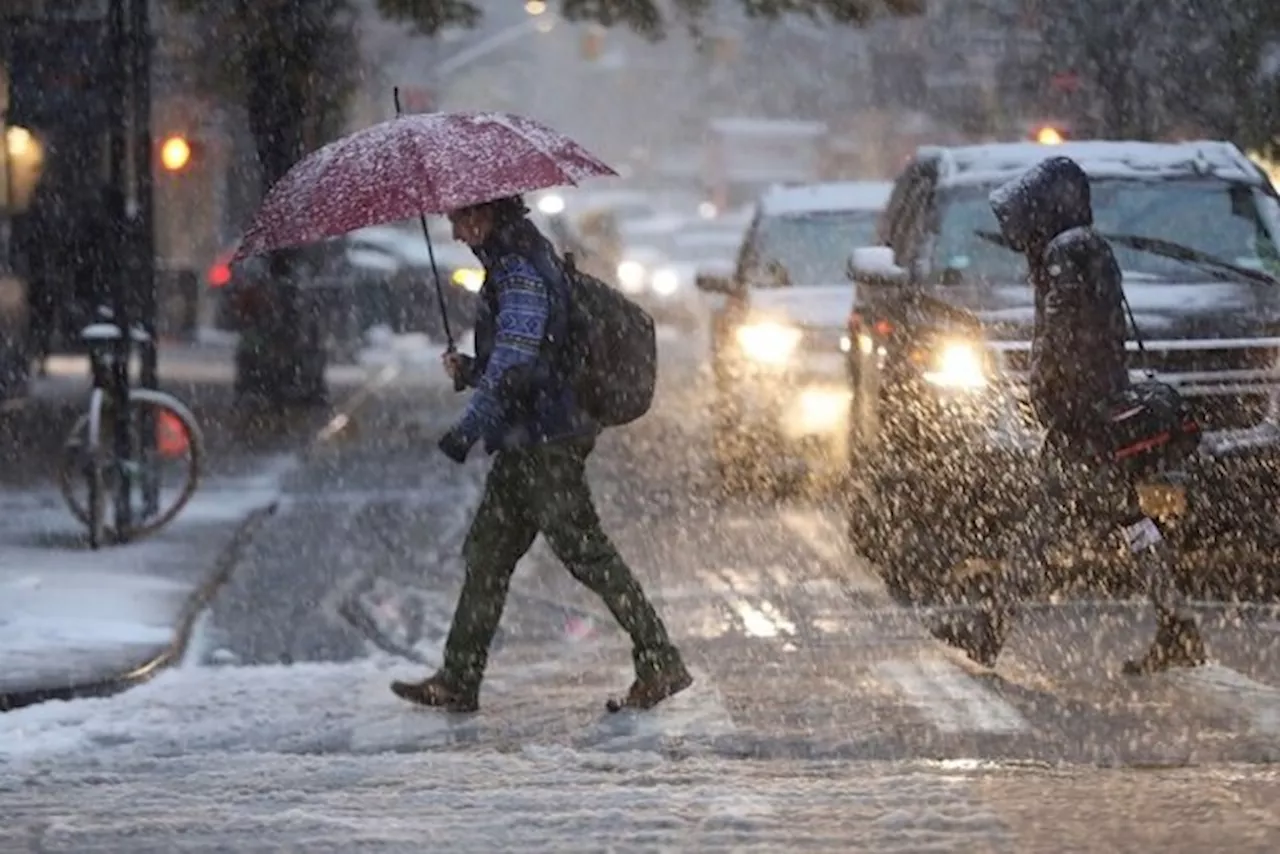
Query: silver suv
x=776, y=332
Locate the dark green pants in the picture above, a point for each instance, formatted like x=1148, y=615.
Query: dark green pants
x=543, y=489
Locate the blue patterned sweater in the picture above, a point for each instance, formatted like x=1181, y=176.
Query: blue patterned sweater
x=517, y=308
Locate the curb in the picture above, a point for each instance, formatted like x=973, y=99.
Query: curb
x=224, y=566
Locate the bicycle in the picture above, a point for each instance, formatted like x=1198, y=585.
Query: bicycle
x=89, y=459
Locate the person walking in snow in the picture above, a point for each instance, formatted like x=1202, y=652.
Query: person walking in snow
x=1077, y=365
x=523, y=410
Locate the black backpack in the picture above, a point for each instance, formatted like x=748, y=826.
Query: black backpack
x=611, y=353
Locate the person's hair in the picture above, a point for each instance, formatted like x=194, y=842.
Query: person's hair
x=505, y=210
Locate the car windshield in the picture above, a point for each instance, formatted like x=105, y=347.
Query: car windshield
x=1228, y=222
x=810, y=249
x=690, y=248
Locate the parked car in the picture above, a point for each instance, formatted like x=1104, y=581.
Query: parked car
x=376, y=276
x=780, y=384
x=942, y=439
x=411, y=303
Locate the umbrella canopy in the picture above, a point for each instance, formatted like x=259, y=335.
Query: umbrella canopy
x=412, y=165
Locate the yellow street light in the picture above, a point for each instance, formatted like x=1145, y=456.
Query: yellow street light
x=535, y=7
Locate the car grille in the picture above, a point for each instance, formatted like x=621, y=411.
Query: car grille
x=1175, y=361
x=820, y=339
x=1220, y=401
x=1229, y=411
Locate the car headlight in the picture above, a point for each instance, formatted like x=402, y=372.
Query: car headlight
x=957, y=364
x=631, y=275
x=665, y=282
x=771, y=343
x=469, y=278
x=551, y=204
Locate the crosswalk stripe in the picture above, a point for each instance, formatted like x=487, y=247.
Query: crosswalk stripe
x=824, y=540
x=950, y=698
x=1258, y=702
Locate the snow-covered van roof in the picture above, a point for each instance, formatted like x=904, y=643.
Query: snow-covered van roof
x=826, y=198
x=993, y=163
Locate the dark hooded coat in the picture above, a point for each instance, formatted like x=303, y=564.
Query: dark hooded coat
x=1078, y=346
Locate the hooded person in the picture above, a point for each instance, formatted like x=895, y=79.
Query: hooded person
x=524, y=412
x=1077, y=365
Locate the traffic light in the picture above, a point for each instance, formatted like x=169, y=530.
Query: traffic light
x=176, y=153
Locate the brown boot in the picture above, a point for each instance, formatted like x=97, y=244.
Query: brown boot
x=437, y=692
x=654, y=686
x=1178, y=644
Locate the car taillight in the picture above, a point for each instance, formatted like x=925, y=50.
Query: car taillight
x=882, y=328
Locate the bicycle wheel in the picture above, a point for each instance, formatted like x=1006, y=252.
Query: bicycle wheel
x=81, y=475
x=173, y=464
x=94, y=482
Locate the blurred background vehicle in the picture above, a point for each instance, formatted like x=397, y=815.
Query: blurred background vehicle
x=660, y=260
x=776, y=335
x=377, y=276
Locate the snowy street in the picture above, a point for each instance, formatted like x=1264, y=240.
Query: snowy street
x=931, y=352
x=822, y=717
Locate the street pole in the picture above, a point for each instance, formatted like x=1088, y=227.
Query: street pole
x=142, y=227
x=117, y=47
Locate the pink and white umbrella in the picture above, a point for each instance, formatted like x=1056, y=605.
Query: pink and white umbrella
x=412, y=165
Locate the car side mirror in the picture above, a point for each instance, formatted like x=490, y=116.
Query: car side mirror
x=714, y=284
x=876, y=266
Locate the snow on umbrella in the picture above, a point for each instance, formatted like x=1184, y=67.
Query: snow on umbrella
x=412, y=165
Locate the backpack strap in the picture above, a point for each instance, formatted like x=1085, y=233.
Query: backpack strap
x=557, y=273
x=1133, y=322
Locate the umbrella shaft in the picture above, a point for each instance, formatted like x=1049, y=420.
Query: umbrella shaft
x=435, y=273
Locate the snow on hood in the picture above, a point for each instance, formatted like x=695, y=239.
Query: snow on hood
x=821, y=305
x=412, y=248
x=999, y=162
x=827, y=197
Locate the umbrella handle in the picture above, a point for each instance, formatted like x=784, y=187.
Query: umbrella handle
x=435, y=274
x=459, y=384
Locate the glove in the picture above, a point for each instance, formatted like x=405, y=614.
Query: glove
x=460, y=367
x=455, y=446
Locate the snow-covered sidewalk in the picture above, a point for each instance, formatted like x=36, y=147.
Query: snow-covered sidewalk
x=71, y=617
